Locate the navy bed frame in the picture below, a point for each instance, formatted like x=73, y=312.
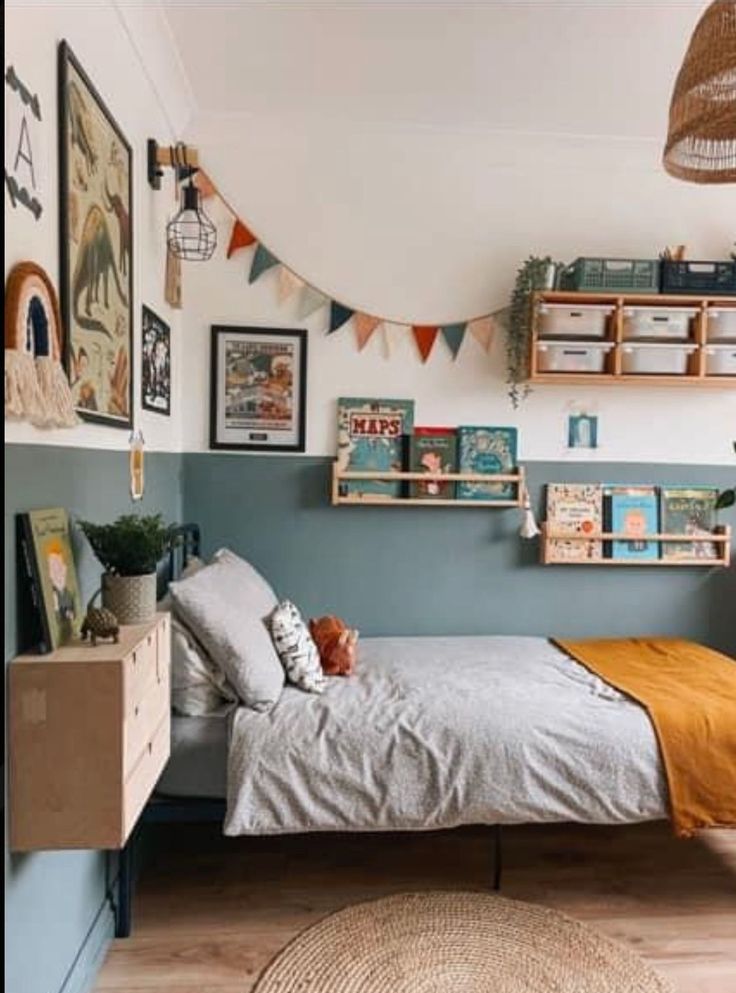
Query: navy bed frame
x=189, y=810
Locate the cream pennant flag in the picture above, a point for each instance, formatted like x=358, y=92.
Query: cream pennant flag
x=311, y=301
x=365, y=325
x=482, y=330
x=289, y=282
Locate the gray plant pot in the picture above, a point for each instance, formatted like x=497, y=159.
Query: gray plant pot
x=131, y=598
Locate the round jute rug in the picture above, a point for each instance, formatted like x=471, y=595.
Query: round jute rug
x=448, y=942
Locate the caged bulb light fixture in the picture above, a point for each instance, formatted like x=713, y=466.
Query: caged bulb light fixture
x=190, y=234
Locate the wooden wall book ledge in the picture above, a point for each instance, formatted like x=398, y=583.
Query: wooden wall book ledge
x=721, y=538
x=379, y=500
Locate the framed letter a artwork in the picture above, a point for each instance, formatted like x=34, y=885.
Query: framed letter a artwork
x=96, y=242
x=258, y=389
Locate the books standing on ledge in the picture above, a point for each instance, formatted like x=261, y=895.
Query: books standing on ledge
x=631, y=510
x=371, y=437
x=487, y=450
x=575, y=509
x=688, y=510
x=433, y=450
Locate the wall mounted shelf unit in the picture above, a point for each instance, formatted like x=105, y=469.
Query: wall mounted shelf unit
x=721, y=538
x=607, y=354
x=374, y=500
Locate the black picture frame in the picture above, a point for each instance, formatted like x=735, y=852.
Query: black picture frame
x=155, y=383
x=274, y=342
x=117, y=236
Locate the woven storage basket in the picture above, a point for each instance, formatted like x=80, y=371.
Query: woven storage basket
x=131, y=598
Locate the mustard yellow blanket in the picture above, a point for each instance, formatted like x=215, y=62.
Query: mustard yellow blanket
x=689, y=692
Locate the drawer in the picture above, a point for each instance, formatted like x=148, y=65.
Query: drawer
x=141, y=721
x=568, y=356
x=560, y=320
x=140, y=669
x=140, y=783
x=658, y=322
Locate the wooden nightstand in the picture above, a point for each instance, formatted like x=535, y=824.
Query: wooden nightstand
x=89, y=735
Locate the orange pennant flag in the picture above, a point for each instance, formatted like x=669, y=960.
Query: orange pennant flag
x=483, y=330
x=204, y=184
x=241, y=237
x=425, y=335
x=288, y=283
x=365, y=325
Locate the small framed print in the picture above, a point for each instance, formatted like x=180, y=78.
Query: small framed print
x=582, y=431
x=156, y=363
x=258, y=389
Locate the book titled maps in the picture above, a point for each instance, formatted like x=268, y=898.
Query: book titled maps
x=486, y=451
x=432, y=450
x=632, y=510
x=575, y=509
x=371, y=437
x=688, y=510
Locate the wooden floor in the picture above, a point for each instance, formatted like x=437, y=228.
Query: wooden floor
x=211, y=912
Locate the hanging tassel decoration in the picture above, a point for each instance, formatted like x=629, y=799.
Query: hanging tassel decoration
x=529, y=528
x=56, y=396
x=23, y=398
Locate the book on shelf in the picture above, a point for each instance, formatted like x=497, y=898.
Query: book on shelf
x=631, y=510
x=371, y=437
x=432, y=450
x=688, y=510
x=575, y=509
x=487, y=451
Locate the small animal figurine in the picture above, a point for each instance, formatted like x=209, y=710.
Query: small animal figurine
x=336, y=643
x=99, y=622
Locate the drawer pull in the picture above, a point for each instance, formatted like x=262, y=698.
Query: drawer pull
x=136, y=711
x=135, y=657
x=150, y=639
x=150, y=747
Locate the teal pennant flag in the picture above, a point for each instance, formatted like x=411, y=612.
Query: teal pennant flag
x=453, y=335
x=338, y=316
x=263, y=260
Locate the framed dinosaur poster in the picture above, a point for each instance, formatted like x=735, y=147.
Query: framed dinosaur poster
x=96, y=233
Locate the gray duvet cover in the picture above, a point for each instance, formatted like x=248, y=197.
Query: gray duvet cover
x=437, y=732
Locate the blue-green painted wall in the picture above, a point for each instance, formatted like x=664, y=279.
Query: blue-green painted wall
x=57, y=922
x=435, y=571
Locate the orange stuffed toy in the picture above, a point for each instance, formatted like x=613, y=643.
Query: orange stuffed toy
x=336, y=644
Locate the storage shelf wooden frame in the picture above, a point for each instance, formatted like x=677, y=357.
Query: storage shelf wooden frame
x=721, y=537
x=371, y=500
x=613, y=374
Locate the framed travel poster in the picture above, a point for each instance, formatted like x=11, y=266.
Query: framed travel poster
x=49, y=564
x=258, y=389
x=96, y=247
x=156, y=363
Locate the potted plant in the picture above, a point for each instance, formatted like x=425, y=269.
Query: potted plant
x=534, y=274
x=130, y=549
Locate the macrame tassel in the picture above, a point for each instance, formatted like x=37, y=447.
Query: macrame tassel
x=23, y=398
x=529, y=528
x=58, y=404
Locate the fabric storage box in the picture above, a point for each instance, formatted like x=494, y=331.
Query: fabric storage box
x=655, y=359
x=721, y=324
x=720, y=360
x=566, y=356
x=658, y=322
x=560, y=320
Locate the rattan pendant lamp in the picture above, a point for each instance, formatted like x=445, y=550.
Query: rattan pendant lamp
x=701, y=143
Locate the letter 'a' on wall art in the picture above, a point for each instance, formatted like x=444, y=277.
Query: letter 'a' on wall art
x=96, y=247
x=258, y=389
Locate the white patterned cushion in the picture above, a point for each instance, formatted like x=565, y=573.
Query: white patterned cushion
x=296, y=648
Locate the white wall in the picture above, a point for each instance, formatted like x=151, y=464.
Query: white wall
x=127, y=52
x=428, y=224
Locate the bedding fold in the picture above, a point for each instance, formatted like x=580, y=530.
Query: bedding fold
x=689, y=692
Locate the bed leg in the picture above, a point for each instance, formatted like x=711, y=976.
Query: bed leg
x=123, y=905
x=497, y=856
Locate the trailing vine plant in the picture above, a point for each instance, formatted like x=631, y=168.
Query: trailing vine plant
x=532, y=275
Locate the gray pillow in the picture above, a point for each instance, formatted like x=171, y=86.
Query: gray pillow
x=225, y=605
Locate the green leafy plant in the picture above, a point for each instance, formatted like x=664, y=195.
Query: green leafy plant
x=532, y=275
x=728, y=497
x=131, y=545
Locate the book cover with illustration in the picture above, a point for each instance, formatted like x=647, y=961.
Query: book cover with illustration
x=574, y=508
x=632, y=510
x=486, y=450
x=371, y=436
x=433, y=450
x=688, y=510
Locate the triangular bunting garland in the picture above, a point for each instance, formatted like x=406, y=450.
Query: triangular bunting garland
x=339, y=315
x=365, y=325
x=263, y=260
x=453, y=335
x=288, y=283
x=482, y=330
x=311, y=301
x=425, y=336
x=241, y=237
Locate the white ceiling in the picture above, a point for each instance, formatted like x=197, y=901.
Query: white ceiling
x=593, y=67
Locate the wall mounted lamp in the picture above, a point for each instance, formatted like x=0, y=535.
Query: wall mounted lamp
x=190, y=234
